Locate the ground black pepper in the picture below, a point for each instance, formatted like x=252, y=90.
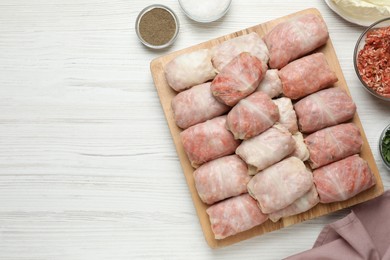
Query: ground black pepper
x=157, y=26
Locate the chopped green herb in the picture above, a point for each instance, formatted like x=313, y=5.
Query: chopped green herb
x=386, y=146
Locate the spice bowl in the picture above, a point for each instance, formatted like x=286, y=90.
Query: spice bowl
x=371, y=59
x=384, y=146
x=157, y=26
x=205, y=11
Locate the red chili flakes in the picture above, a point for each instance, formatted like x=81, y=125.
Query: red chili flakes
x=374, y=61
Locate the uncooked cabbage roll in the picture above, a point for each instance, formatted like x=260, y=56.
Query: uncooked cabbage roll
x=238, y=79
x=325, y=108
x=271, y=84
x=189, y=69
x=300, y=150
x=333, y=143
x=306, y=75
x=221, y=178
x=343, y=179
x=234, y=215
x=294, y=38
x=208, y=141
x=226, y=51
x=252, y=116
x=302, y=204
x=196, y=105
x=269, y=147
x=280, y=184
x=287, y=117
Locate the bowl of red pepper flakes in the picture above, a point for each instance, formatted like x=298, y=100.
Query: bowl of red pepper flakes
x=372, y=59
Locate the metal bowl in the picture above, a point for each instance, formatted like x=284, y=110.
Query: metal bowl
x=360, y=45
x=387, y=128
x=143, y=12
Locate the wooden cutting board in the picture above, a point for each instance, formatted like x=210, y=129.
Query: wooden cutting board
x=166, y=94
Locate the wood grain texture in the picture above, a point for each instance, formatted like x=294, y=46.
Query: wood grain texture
x=166, y=95
x=88, y=168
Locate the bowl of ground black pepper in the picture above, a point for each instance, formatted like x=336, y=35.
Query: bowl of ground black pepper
x=157, y=26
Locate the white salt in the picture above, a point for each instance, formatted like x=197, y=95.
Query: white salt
x=205, y=10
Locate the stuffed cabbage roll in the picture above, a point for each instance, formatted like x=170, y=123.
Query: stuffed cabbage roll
x=287, y=117
x=302, y=204
x=271, y=84
x=325, y=108
x=208, y=141
x=196, y=105
x=333, y=143
x=221, y=178
x=234, y=215
x=280, y=184
x=300, y=150
x=190, y=69
x=252, y=116
x=238, y=79
x=306, y=75
x=226, y=51
x=343, y=179
x=269, y=147
x=294, y=38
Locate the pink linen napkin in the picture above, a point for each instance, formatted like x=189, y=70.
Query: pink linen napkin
x=363, y=234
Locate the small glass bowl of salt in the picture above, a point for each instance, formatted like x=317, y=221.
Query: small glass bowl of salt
x=205, y=11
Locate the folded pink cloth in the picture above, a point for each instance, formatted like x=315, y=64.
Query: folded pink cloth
x=363, y=234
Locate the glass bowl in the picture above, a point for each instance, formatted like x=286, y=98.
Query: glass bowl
x=381, y=140
x=360, y=45
x=205, y=11
x=148, y=9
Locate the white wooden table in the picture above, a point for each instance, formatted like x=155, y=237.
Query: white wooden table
x=88, y=169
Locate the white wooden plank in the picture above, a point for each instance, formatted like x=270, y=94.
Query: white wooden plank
x=87, y=166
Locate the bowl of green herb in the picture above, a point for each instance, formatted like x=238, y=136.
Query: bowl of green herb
x=384, y=146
